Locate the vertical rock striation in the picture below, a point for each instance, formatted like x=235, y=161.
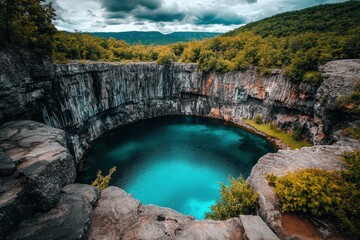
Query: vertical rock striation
x=90, y=99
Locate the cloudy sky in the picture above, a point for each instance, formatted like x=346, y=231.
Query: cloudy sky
x=168, y=15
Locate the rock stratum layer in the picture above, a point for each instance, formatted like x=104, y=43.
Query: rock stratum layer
x=37, y=162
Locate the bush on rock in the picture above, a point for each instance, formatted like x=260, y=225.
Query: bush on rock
x=236, y=199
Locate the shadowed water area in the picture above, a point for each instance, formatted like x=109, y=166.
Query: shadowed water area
x=175, y=162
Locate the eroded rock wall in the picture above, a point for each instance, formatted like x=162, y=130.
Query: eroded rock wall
x=90, y=99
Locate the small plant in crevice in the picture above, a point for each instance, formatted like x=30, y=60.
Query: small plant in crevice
x=271, y=178
x=101, y=181
x=236, y=199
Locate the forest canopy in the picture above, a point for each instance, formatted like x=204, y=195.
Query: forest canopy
x=298, y=41
x=27, y=24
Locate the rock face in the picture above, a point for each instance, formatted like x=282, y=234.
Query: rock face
x=98, y=97
x=340, y=77
x=89, y=99
x=43, y=166
x=25, y=84
x=120, y=216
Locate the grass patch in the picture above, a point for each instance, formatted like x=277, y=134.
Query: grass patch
x=286, y=138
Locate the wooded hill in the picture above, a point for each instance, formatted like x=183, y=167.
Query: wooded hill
x=155, y=38
x=298, y=41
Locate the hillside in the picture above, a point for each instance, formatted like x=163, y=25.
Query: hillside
x=336, y=18
x=155, y=38
x=298, y=41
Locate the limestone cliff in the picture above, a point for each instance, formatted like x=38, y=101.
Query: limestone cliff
x=89, y=99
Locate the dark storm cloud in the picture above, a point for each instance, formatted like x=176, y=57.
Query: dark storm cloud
x=114, y=21
x=129, y=5
x=218, y=18
x=160, y=16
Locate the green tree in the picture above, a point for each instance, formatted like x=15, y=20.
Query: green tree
x=28, y=24
x=234, y=200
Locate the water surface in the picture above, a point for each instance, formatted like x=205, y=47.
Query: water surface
x=175, y=162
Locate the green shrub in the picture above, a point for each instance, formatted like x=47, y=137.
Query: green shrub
x=312, y=77
x=348, y=212
x=101, y=181
x=234, y=200
x=351, y=173
x=311, y=190
x=259, y=119
x=333, y=194
x=352, y=132
x=273, y=126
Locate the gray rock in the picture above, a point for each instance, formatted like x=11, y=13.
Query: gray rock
x=115, y=212
x=119, y=216
x=25, y=84
x=7, y=166
x=42, y=157
x=209, y=229
x=112, y=94
x=340, y=78
x=89, y=193
x=69, y=220
x=256, y=229
x=14, y=206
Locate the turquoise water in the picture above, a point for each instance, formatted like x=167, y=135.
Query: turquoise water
x=175, y=162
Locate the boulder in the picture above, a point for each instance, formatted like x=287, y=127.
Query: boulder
x=13, y=204
x=209, y=229
x=119, y=216
x=69, y=220
x=256, y=229
x=42, y=157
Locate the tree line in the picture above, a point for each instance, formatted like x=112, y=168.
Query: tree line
x=298, y=41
